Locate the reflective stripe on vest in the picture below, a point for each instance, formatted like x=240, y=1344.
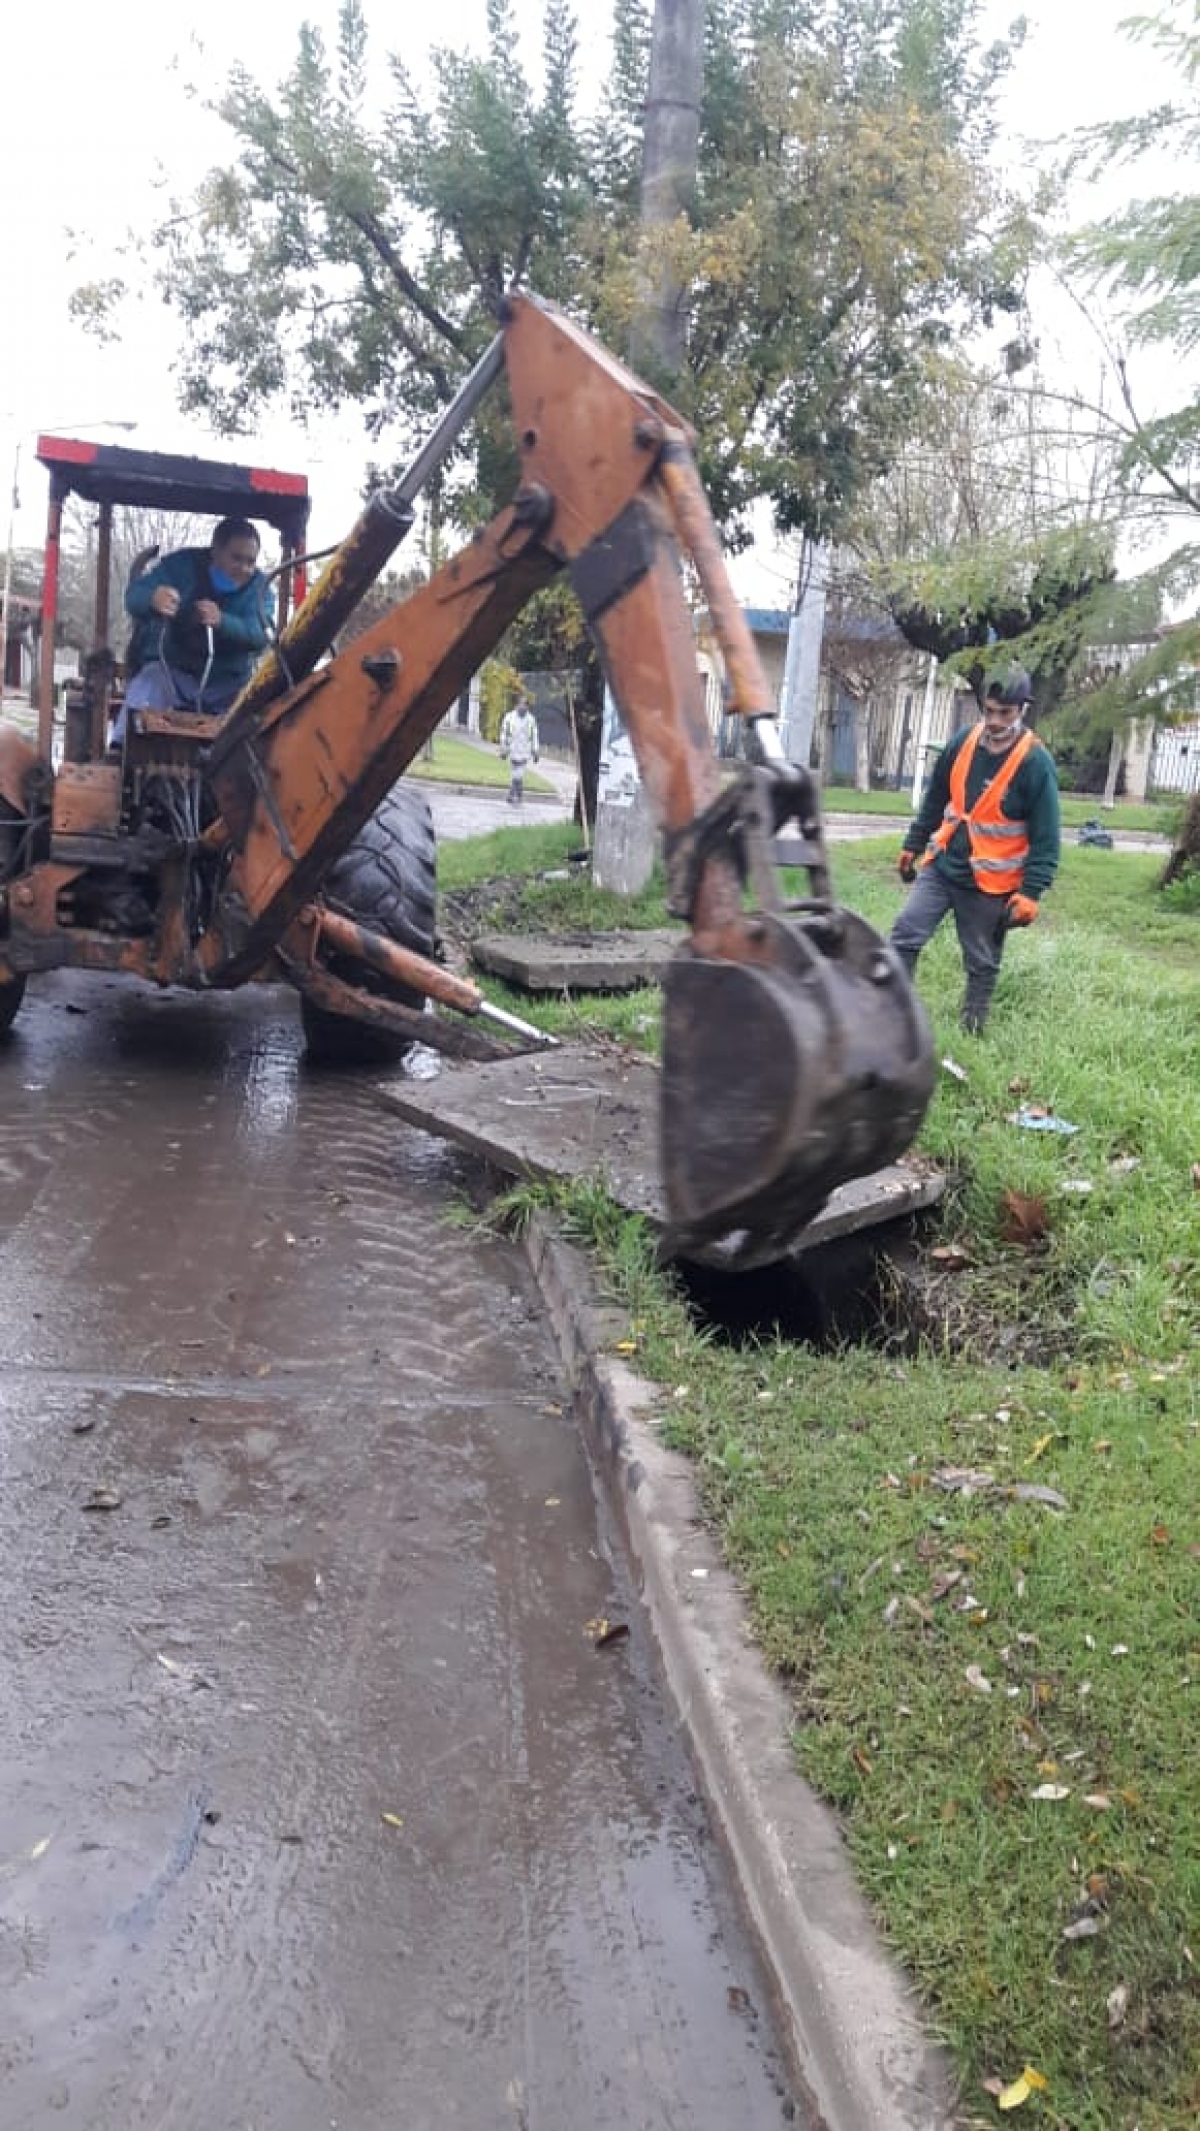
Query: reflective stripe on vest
x=998, y=847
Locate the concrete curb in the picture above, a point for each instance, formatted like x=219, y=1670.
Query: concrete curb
x=864, y=2056
x=486, y=791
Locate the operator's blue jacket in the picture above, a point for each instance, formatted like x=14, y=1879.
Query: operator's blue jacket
x=240, y=640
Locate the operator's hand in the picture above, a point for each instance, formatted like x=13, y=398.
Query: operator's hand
x=207, y=613
x=906, y=865
x=164, y=600
x=1022, y=910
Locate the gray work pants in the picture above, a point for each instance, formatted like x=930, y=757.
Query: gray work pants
x=979, y=921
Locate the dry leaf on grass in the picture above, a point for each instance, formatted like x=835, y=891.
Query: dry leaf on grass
x=1025, y=1221
x=1026, y=1491
x=945, y=1583
x=1030, y=2082
x=962, y=1480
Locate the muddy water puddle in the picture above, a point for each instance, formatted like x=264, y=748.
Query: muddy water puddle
x=319, y=1806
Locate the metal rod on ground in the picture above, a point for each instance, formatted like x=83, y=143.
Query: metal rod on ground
x=346, y=937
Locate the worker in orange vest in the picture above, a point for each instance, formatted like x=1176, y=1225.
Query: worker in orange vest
x=985, y=844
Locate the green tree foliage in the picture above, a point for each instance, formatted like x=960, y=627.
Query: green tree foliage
x=1147, y=258
x=982, y=606
x=845, y=225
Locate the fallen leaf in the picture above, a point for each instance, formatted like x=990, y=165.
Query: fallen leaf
x=1040, y=1448
x=1030, y=2082
x=1116, y=2004
x=626, y=1346
x=862, y=1761
x=1084, y=1927
x=1196, y=1176
x=606, y=1632
x=391, y=1820
x=104, y=1498
x=1025, y=1491
x=84, y=1425
x=1051, y=1793
x=1018, y=1087
x=1025, y=1219
x=961, y=1480
x=1160, y=1536
x=951, y=1257
x=944, y=1583
x=1081, y=1186
x=977, y=1679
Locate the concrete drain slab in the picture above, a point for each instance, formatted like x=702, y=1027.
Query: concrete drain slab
x=587, y=1111
x=577, y=961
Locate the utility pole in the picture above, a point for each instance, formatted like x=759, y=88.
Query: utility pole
x=625, y=829
x=802, y=667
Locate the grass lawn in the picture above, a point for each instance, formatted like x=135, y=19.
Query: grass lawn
x=995, y=1688
x=1154, y=817
x=455, y=761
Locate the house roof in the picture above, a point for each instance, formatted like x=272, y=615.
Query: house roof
x=767, y=621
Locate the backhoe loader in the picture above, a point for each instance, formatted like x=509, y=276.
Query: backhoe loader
x=277, y=841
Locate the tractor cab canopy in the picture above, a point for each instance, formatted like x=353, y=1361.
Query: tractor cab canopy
x=110, y=475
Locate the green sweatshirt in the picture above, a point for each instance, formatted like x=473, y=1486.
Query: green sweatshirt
x=1032, y=798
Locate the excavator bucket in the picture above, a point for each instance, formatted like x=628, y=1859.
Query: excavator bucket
x=783, y=1077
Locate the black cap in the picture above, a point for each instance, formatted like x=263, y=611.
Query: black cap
x=1016, y=689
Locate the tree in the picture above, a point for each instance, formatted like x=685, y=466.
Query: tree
x=1147, y=259
x=845, y=225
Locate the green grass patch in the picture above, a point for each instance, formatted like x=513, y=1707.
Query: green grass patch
x=1155, y=817
x=455, y=761
x=997, y=1692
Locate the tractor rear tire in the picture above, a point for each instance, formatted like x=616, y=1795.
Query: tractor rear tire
x=387, y=880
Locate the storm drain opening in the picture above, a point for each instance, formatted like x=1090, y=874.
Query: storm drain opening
x=858, y=1290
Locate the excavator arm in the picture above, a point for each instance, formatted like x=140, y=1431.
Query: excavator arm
x=795, y=1055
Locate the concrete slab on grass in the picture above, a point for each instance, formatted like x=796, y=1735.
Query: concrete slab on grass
x=592, y=1111
x=577, y=961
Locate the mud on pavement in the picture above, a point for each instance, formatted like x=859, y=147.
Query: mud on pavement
x=321, y=1807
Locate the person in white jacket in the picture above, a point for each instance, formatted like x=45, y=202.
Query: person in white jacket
x=519, y=746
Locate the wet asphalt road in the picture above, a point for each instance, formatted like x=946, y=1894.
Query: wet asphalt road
x=318, y=1806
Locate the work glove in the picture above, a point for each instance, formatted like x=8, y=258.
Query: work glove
x=1022, y=910
x=906, y=865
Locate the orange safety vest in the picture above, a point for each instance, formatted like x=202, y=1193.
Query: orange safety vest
x=999, y=847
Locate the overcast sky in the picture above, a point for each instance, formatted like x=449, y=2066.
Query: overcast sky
x=99, y=126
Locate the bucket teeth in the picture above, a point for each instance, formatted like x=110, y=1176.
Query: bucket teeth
x=784, y=1078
